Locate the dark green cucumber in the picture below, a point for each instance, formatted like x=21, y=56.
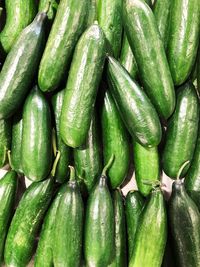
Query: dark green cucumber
x=88, y=157
x=147, y=166
x=134, y=106
x=20, y=67
x=115, y=141
x=66, y=29
x=133, y=208
x=151, y=233
x=62, y=166
x=184, y=219
x=145, y=42
x=8, y=187
x=181, y=132
x=183, y=38
x=19, y=14
x=5, y=140
x=67, y=247
x=36, y=137
x=92, y=12
x=51, y=5
x=82, y=84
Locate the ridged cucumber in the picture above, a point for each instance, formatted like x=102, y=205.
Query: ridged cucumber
x=5, y=140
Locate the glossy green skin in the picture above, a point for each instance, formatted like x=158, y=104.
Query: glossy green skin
x=52, y=8
x=181, y=132
x=67, y=248
x=20, y=67
x=19, y=14
x=135, y=108
x=99, y=226
x=151, y=233
x=88, y=157
x=115, y=141
x=146, y=44
x=36, y=137
x=82, y=85
x=65, y=32
x=26, y=222
x=5, y=140
x=146, y=164
x=134, y=204
x=184, y=214
x=44, y=253
x=62, y=166
x=183, y=38
x=92, y=12
x=8, y=187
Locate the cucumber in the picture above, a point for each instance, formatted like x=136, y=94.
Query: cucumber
x=181, y=132
x=184, y=214
x=66, y=29
x=8, y=187
x=115, y=141
x=51, y=5
x=5, y=140
x=92, y=12
x=151, y=233
x=20, y=67
x=146, y=163
x=146, y=44
x=67, y=247
x=198, y=70
x=134, y=203
x=19, y=14
x=82, y=84
x=88, y=157
x=183, y=38
x=36, y=136
x=134, y=106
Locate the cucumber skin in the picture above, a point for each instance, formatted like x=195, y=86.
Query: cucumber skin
x=147, y=166
x=36, y=136
x=92, y=12
x=19, y=14
x=115, y=141
x=8, y=187
x=181, y=132
x=64, y=34
x=26, y=222
x=144, y=39
x=5, y=137
x=139, y=114
x=183, y=38
x=81, y=89
x=20, y=67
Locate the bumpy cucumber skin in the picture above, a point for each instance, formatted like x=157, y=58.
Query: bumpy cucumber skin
x=26, y=222
x=66, y=29
x=184, y=214
x=134, y=106
x=183, y=38
x=8, y=187
x=115, y=141
x=181, y=132
x=147, y=166
x=20, y=67
x=146, y=44
x=5, y=143
x=81, y=89
x=92, y=12
x=99, y=226
x=43, y=4
x=151, y=233
x=62, y=166
x=36, y=136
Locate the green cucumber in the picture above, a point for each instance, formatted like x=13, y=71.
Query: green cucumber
x=67, y=247
x=134, y=106
x=146, y=44
x=146, y=164
x=51, y=5
x=181, y=132
x=36, y=136
x=115, y=141
x=151, y=233
x=92, y=12
x=82, y=84
x=66, y=29
x=20, y=67
x=5, y=140
x=183, y=38
x=8, y=187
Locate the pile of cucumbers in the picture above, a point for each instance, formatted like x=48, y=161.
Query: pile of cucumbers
x=90, y=91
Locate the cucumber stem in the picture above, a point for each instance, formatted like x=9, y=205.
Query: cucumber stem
x=54, y=142
x=181, y=169
x=108, y=165
x=53, y=171
x=46, y=10
x=72, y=173
x=9, y=157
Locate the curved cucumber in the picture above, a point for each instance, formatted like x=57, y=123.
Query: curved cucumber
x=52, y=6
x=5, y=140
